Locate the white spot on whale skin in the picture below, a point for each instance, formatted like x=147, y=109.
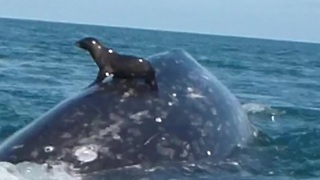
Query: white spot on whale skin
x=48, y=149
x=174, y=95
x=219, y=127
x=34, y=154
x=116, y=137
x=189, y=89
x=140, y=115
x=110, y=51
x=209, y=153
x=164, y=151
x=214, y=111
x=119, y=156
x=126, y=94
x=206, y=77
x=170, y=103
x=30, y=170
x=150, y=139
x=195, y=96
x=18, y=146
x=86, y=154
x=234, y=163
x=66, y=135
x=159, y=120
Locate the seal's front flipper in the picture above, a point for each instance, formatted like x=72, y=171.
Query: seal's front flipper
x=100, y=77
x=93, y=83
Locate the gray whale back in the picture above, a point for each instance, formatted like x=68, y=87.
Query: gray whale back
x=193, y=116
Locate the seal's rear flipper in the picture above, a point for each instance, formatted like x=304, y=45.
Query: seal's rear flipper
x=152, y=83
x=150, y=79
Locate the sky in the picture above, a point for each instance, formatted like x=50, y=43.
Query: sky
x=294, y=20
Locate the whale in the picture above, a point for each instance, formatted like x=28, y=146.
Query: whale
x=122, y=123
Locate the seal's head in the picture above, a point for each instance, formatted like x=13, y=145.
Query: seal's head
x=92, y=45
x=89, y=44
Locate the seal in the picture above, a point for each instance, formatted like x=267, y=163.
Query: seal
x=121, y=66
x=117, y=124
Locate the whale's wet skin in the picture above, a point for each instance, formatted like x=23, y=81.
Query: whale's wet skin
x=123, y=123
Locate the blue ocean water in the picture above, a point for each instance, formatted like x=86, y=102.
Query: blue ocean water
x=277, y=82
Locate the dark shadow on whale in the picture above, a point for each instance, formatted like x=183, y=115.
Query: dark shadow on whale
x=121, y=123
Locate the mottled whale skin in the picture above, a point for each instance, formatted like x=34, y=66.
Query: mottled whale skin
x=121, y=123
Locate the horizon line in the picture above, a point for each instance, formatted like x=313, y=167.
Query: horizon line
x=163, y=30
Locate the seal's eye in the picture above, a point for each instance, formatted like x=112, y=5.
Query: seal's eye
x=140, y=60
x=94, y=42
x=110, y=51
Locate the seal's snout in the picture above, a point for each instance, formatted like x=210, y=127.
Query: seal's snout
x=80, y=45
x=77, y=44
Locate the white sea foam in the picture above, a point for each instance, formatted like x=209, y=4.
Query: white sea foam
x=254, y=107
